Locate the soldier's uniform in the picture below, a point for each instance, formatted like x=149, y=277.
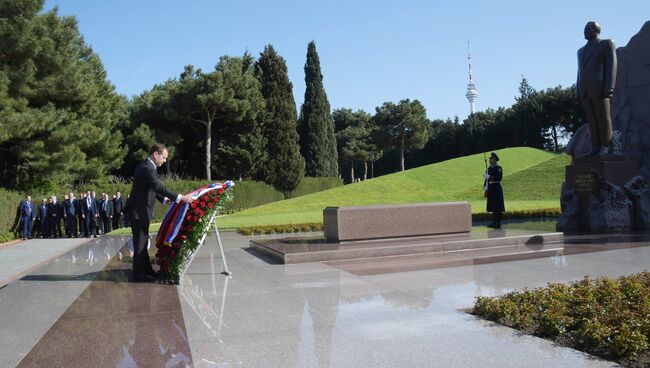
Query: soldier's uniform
x=494, y=192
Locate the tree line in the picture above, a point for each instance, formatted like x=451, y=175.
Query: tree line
x=61, y=119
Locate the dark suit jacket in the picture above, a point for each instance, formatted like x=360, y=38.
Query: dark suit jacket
x=147, y=186
x=596, y=68
x=27, y=210
x=109, y=209
x=118, y=206
x=55, y=211
x=42, y=212
x=88, y=211
x=69, y=207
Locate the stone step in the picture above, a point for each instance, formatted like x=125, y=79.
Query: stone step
x=296, y=250
x=454, y=258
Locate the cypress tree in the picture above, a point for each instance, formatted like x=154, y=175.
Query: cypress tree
x=285, y=166
x=317, y=141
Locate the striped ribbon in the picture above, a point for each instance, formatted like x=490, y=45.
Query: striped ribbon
x=175, y=216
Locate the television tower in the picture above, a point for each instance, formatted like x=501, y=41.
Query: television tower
x=471, y=94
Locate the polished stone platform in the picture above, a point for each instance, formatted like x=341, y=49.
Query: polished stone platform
x=318, y=249
x=21, y=257
x=80, y=310
x=569, y=245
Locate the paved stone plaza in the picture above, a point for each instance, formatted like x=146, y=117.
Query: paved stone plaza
x=79, y=310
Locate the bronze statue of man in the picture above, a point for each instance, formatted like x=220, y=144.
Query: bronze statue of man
x=595, y=86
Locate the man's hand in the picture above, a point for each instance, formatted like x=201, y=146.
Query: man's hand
x=187, y=198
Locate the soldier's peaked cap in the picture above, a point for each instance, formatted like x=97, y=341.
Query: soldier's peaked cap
x=494, y=156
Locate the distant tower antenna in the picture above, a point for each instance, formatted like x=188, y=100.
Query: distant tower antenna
x=471, y=94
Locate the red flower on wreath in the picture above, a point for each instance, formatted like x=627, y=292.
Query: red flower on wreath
x=171, y=257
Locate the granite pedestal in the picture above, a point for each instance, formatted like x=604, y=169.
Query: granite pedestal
x=393, y=221
x=613, y=169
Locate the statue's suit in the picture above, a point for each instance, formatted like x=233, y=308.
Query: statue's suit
x=596, y=77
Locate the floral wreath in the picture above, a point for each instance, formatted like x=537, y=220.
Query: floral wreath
x=185, y=225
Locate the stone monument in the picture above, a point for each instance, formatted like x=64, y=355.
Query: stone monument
x=598, y=176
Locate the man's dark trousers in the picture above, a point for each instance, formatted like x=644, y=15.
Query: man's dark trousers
x=141, y=261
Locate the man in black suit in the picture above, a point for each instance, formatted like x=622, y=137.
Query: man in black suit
x=595, y=86
x=106, y=213
x=98, y=202
x=54, y=215
x=88, y=213
x=41, y=217
x=147, y=186
x=118, y=207
x=70, y=215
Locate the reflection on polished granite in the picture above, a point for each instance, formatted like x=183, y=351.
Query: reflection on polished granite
x=23, y=257
x=294, y=244
x=80, y=311
x=314, y=315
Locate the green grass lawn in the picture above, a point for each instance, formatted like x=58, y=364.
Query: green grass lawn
x=532, y=180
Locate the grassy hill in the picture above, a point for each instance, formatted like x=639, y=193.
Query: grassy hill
x=532, y=180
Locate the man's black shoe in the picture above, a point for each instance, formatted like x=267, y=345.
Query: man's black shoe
x=144, y=278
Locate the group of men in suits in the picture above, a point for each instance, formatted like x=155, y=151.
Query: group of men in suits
x=86, y=216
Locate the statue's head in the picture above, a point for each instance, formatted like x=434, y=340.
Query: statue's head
x=592, y=30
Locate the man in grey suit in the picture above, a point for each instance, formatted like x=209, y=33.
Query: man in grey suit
x=595, y=86
x=147, y=186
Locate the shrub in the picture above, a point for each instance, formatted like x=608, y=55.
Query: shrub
x=605, y=317
x=7, y=237
x=284, y=228
x=310, y=185
x=543, y=212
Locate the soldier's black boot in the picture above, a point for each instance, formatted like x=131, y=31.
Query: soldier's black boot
x=497, y=220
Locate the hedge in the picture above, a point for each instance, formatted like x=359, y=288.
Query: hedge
x=285, y=228
x=609, y=318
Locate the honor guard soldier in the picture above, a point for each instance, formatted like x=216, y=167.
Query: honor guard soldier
x=494, y=191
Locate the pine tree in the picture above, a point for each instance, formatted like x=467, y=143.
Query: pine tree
x=285, y=166
x=59, y=115
x=317, y=140
x=403, y=127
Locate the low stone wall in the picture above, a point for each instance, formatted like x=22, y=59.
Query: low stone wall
x=392, y=221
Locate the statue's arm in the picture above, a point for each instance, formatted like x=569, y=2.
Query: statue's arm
x=610, y=68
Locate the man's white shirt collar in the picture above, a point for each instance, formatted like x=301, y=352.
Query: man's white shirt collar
x=153, y=163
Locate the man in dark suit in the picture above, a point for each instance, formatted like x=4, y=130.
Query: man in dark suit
x=54, y=215
x=82, y=220
x=595, y=86
x=41, y=217
x=70, y=215
x=118, y=207
x=106, y=213
x=89, y=213
x=98, y=202
x=147, y=186
x=27, y=214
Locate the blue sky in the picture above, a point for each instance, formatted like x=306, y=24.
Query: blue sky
x=370, y=51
